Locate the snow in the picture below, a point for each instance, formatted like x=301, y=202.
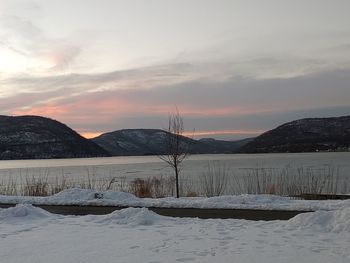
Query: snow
x=130, y=216
x=77, y=196
x=21, y=213
x=334, y=221
x=30, y=234
x=136, y=234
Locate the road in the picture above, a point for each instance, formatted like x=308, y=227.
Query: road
x=248, y=214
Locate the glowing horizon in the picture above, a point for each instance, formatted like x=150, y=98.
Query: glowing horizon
x=90, y=135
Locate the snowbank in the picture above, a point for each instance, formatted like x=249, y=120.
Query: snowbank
x=130, y=216
x=29, y=234
x=77, y=196
x=23, y=212
x=328, y=221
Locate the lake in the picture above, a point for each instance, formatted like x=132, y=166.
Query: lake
x=129, y=168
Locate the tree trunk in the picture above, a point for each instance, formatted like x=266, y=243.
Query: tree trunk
x=177, y=181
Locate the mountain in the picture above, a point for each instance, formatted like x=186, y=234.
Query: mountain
x=226, y=146
x=151, y=142
x=305, y=135
x=34, y=137
x=141, y=142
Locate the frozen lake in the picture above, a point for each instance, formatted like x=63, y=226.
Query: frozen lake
x=194, y=167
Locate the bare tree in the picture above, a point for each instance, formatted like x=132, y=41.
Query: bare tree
x=176, y=149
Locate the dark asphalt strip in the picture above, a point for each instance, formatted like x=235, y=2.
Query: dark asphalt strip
x=204, y=213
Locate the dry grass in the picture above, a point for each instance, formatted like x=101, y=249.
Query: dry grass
x=9, y=186
x=41, y=184
x=214, y=180
x=289, y=181
x=152, y=187
x=217, y=180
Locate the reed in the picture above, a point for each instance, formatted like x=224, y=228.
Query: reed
x=217, y=180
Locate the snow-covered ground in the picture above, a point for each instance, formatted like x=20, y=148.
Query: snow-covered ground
x=30, y=234
x=77, y=196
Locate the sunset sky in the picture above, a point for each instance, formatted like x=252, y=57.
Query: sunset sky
x=233, y=68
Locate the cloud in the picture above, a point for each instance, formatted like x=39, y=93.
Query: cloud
x=42, y=54
x=76, y=84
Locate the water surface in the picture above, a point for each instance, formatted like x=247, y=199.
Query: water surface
x=146, y=166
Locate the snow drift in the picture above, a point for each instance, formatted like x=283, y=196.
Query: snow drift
x=23, y=212
x=78, y=196
x=328, y=221
x=130, y=216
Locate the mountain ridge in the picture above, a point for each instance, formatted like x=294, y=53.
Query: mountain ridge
x=36, y=137
x=151, y=142
x=304, y=135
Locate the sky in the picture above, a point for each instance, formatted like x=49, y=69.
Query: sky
x=234, y=69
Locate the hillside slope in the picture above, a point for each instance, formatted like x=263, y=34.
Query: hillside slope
x=34, y=137
x=305, y=135
x=152, y=142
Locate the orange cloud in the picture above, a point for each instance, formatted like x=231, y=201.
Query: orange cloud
x=49, y=109
x=85, y=109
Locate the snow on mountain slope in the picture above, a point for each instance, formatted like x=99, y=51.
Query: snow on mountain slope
x=305, y=135
x=35, y=137
x=153, y=142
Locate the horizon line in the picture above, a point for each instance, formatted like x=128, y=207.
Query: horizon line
x=91, y=135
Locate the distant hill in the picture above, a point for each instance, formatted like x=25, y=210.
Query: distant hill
x=226, y=146
x=151, y=142
x=305, y=135
x=34, y=137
